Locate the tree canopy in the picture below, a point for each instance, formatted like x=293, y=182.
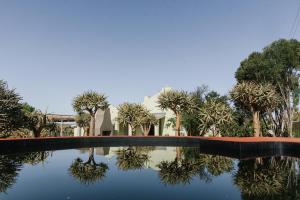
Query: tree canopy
x=90, y=102
x=10, y=110
x=278, y=64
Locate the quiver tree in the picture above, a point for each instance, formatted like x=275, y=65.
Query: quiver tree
x=146, y=120
x=178, y=102
x=257, y=98
x=213, y=115
x=83, y=121
x=129, y=114
x=90, y=102
x=279, y=65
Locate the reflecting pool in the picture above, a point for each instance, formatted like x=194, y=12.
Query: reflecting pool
x=145, y=173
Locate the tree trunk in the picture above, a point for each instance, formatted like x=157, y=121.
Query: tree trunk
x=36, y=133
x=177, y=124
x=92, y=126
x=256, y=123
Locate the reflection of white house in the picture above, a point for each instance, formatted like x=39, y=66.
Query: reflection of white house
x=106, y=123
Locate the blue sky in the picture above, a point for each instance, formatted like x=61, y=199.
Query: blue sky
x=50, y=51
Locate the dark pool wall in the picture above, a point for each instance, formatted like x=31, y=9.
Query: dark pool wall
x=233, y=149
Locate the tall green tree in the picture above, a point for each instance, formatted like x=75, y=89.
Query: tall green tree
x=129, y=114
x=10, y=110
x=257, y=98
x=178, y=102
x=213, y=115
x=279, y=65
x=90, y=102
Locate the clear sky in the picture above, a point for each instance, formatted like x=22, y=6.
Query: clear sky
x=51, y=51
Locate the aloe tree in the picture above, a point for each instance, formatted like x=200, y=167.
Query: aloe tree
x=88, y=172
x=178, y=102
x=257, y=98
x=129, y=114
x=146, y=120
x=83, y=121
x=214, y=114
x=90, y=102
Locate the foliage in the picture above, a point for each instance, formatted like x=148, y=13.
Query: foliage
x=146, y=120
x=256, y=178
x=10, y=110
x=38, y=122
x=178, y=102
x=9, y=170
x=176, y=172
x=90, y=102
x=88, y=172
x=83, y=120
x=278, y=64
x=213, y=115
x=135, y=115
x=132, y=158
x=257, y=99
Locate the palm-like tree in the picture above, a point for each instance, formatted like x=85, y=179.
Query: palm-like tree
x=257, y=98
x=178, y=102
x=146, y=120
x=129, y=114
x=132, y=158
x=90, y=102
x=83, y=121
x=88, y=172
x=214, y=114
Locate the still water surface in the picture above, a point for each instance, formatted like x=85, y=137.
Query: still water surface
x=145, y=173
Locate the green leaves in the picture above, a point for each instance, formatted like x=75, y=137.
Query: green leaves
x=177, y=101
x=135, y=115
x=90, y=102
x=83, y=119
x=255, y=97
x=10, y=110
x=214, y=114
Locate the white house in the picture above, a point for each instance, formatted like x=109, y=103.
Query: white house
x=107, y=124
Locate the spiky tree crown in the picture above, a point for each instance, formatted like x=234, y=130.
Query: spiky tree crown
x=90, y=102
x=255, y=97
x=177, y=101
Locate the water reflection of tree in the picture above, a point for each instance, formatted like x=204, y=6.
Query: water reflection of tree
x=88, y=172
x=268, y=178
x=189, y=162
x=133, y=158
x=208, y=165
x=178, y=171
x=10, y=165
